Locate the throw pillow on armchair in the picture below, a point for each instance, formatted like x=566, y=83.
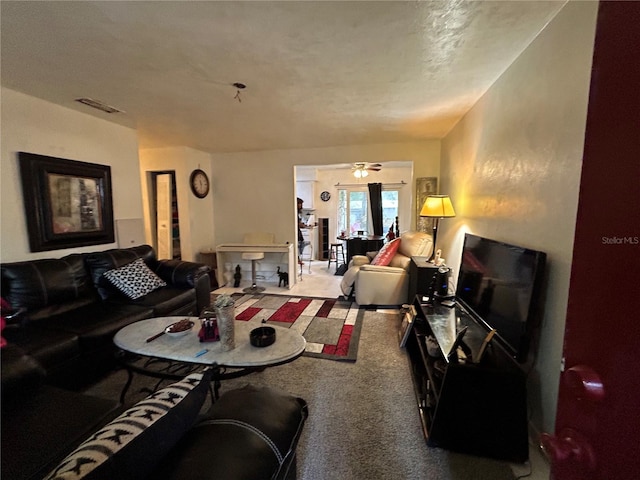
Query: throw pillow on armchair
x=386, y=253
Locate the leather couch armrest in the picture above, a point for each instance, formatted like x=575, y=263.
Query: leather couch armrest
x=357, y=260
x=188, y=274
x=181, y=273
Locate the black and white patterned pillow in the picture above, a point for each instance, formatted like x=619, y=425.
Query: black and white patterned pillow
x=134, y=443
x=134, y=279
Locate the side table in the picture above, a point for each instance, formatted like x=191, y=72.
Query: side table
x=421, y=273
x=210, y=258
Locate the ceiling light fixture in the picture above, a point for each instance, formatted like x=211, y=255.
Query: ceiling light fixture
x=239, y=86
x=360, y=171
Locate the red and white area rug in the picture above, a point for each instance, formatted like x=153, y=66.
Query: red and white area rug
x=330, y=326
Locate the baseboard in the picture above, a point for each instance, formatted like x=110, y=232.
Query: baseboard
x=538, y=463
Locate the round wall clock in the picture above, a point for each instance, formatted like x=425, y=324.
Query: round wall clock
x=325, y=196
x=199, y=183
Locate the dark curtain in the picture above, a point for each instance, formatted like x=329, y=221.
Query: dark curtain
x=375, y=198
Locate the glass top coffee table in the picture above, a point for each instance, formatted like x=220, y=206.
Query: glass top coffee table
x=171, y=358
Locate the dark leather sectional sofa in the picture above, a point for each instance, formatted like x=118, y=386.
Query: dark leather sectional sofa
x=62, y=339
x=70, y=313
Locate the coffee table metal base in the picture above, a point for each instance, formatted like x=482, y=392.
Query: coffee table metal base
x=174, y=370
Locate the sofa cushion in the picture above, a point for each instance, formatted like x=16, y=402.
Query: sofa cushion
x=416, y=244
x=250, y=432
x=49, y=348
x=96, y=324
x=386, y=253
x=400, y=261
x=130, y=446
x=169, y=300
x=134, y=279
x=39, y=284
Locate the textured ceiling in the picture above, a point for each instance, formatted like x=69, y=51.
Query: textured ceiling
x=318, y=73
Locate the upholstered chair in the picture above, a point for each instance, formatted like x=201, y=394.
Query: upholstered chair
x=383, y=279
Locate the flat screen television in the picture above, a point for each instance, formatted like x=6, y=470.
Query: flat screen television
x=499, y=284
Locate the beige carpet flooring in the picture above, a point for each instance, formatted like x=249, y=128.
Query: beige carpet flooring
x=363, y=420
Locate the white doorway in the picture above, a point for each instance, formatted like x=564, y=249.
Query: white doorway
x=167, y=228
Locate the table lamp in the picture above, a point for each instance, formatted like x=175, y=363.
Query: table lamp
x=437, y=207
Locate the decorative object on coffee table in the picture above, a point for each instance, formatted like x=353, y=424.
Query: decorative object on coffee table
x=224, y=306
x=209, y=325
x=262, y=336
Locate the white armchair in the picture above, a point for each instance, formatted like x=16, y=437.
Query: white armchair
x=385, y=285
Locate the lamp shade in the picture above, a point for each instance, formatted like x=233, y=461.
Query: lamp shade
x=437, y=206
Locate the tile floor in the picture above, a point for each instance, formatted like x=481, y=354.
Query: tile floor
x=321, y=282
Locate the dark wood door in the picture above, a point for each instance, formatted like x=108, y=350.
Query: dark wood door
x=597, y=424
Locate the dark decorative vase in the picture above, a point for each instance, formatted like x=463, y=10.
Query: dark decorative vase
x=237, y=277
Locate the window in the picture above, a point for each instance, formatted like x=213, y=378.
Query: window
x=389, y=209
x=354, y=214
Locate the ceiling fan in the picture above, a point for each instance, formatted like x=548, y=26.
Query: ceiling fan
x=362, y=169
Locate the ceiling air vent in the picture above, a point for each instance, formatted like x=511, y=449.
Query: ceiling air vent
x=99, y=105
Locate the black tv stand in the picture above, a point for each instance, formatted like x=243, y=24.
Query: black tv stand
x=474, y=408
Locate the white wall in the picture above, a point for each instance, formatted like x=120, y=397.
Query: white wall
x=195, y=214
x=35, y=126
x=255, y=191
x=512, y=167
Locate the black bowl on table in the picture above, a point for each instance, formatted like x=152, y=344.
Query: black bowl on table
x=262, y=336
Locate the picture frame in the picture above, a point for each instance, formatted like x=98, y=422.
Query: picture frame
x=407, y=325
x=67, y=203
x=425, y=186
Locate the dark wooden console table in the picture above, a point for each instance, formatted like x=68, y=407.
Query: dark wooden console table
x=474, y=408
x=360, y=245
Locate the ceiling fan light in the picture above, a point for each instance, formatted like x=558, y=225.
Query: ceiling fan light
x=357, y=173
x=364, y=173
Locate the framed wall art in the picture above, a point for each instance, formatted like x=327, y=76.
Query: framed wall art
x=425, y=186
x=67, y=203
